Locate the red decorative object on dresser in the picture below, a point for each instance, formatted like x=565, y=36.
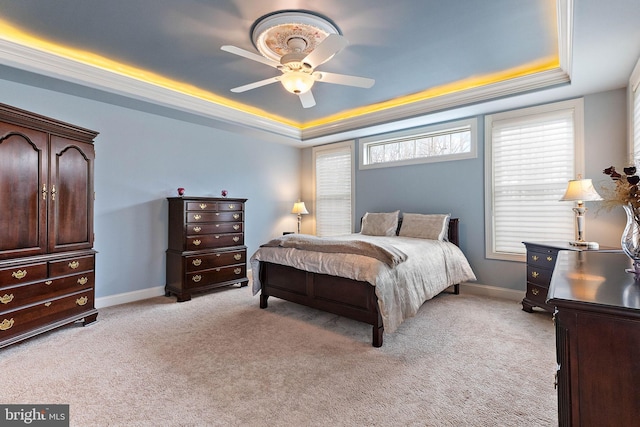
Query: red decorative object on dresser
x=46, y=224
x=206, y=245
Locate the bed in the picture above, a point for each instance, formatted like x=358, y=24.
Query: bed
x=384, y=280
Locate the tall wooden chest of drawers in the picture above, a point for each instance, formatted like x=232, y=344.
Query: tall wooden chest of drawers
x=46, y=224
x=206, y=245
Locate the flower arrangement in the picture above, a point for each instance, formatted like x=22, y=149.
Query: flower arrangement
x=626, y=191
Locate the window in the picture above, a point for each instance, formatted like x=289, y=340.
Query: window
x=436, y=143
x=333, y=172
x=531, y=154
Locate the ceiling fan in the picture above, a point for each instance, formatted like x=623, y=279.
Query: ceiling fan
x=296, y=43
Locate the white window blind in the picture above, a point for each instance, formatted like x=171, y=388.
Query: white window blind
x=532, y=158
x=333, y=176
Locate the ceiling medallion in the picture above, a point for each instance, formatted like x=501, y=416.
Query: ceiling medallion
x=278, y=33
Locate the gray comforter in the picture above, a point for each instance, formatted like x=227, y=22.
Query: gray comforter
x=423, y=269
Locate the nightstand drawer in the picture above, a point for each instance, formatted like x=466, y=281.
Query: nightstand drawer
x=542, y=259
x=539, y=276
x=537, y=293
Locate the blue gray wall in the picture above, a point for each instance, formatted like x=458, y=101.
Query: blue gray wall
x=142, y=158
x=458, y=187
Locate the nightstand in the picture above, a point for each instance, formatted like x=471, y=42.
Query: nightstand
x=541, y=259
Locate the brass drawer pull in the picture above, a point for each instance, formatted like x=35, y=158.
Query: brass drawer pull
x=232, y=207
x=83, y=281
x=235, y=239
x=196, y=278
x=47, y=304
x=48, y=282
x=196, y=262
x=218, y=269
x=535, y=291
x=203, y=205
x=82, y=300
x=236, y=216
x=197, y=229
x=237, y=270
x=534, y=257
x=236, y=227
x=20, y=274
x=44, y=191
x=535, y=274
x=237, y=257
x=197, y=217
x=6, y=324
x=217, y=237
x=6, y=299
x=53, y=192
x=217, y=255
x=197, y=242
x=74, y=264
x=217, y=225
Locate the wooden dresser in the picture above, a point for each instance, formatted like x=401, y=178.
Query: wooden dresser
x=541, y=259
x=597, y=339
x=46, y=224
x=206, y=245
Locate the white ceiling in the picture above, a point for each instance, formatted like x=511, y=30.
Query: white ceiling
x=408, y=46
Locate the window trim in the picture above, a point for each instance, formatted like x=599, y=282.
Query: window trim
x=633, y=90
x=405, y=134
x=579, y=166
x=327, y=148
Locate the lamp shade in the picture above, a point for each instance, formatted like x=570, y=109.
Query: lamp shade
x=297, y=81
x=580, y=190
x=299, y=208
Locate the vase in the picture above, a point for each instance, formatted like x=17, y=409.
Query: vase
x=630, y=241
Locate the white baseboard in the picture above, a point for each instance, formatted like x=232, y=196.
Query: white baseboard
x=467, y=288
x=129, y=297
x=491, y=291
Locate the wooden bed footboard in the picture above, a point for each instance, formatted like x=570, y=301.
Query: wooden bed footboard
x=338, y=295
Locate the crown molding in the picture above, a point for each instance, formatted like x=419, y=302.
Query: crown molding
x=489, y=92
x=37, y=61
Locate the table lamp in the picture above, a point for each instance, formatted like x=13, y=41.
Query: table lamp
x=300, y=209
x=580, y=191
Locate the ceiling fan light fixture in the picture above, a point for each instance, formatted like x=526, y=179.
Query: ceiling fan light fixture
x=297, y=82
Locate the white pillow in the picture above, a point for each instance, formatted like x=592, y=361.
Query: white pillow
x=432, y=226
x=380, y=224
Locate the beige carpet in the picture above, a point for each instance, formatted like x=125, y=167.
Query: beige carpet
x=219, y=360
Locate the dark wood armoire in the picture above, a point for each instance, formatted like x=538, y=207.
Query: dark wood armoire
x=46, y=224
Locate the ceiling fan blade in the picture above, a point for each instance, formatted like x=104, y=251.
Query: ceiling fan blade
x=331, y=45
x=343, y=79
x=250, y=55
x=307, y=99
x=254, y=85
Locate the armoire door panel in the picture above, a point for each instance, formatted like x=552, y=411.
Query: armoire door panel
x=71, y=204
x=23, y=191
